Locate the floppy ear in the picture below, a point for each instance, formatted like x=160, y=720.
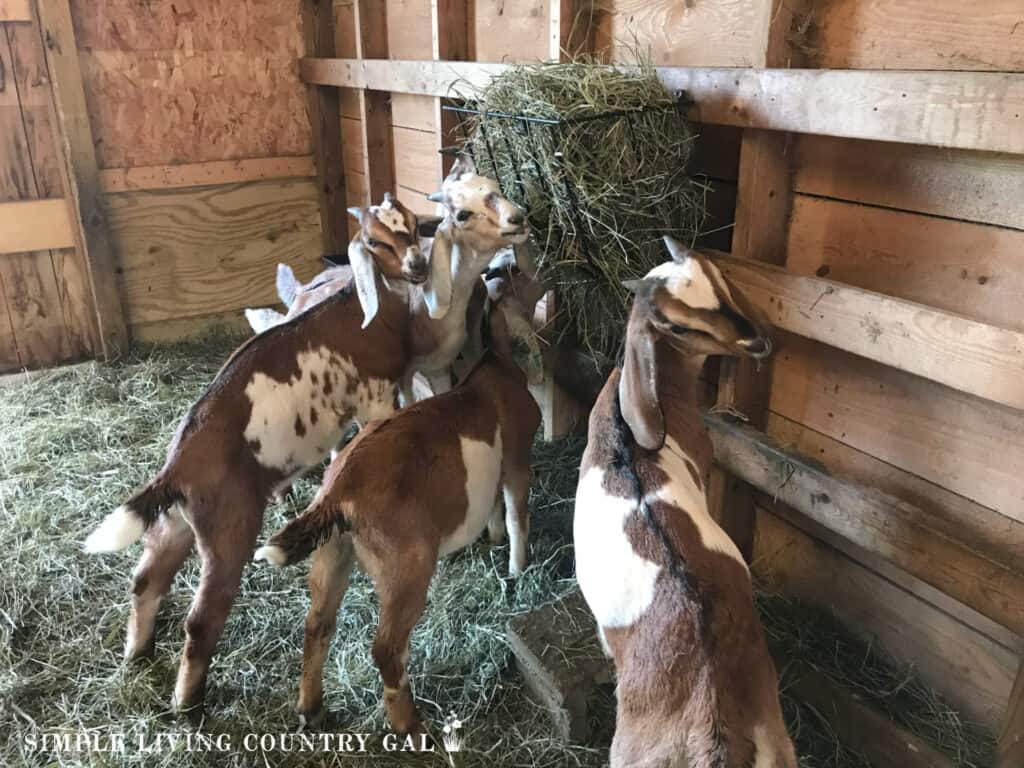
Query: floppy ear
x=364, y=269
x=437, y=291
x=638, y=385
x=426, y=226
x=680, y=253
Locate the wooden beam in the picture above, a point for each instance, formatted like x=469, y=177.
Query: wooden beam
x=953, y=350
x=36, y=225
x=325, y=119
x=15, y=10
x=80, y=172
x=452, y=39
x=371, y=23
x=203, y=174
x=1011, y=740
x=965, y=110
x=878, y=522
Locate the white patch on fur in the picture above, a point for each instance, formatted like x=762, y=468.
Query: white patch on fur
x=262, y=319
x=120, y=529
x=390, y=217
x=516, y=538
x=683, y=493
x=617, y=583
x=271, y=554
x=483, y=472
x=688, y=283
x=764, y=750
x=277, y=404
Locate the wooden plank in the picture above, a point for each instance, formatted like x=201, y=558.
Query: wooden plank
x=409, y=30
x=511, y=32
x=452, y=30
x=949, y=513
x=965, y=110
x=970, y=671
x=81, y=173
x=977, y=186
x=35, y=225
x=33, y=303
x=969, y=269
x=964, y=354
x=193, y=252
x=918, y=34
x=15, y=10
x=10, y=358
x=169, y=331
x=875, y=521
x=715, y=33
x=970, y=446
x=325, y=118
x=202, y=174
x=1011, y=740
x=416, y=164
x=416, y=112
x=375, y=106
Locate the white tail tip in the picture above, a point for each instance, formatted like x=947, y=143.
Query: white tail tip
x=262, y=319
x=120, y=529
x=272, y=554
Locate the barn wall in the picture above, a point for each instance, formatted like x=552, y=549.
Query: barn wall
x=203, y=143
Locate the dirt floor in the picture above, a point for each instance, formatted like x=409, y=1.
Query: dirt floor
x=75, y=442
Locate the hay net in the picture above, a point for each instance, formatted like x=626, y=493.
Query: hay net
x=598, y=157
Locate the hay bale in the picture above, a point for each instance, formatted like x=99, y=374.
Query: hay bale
x=603, y=177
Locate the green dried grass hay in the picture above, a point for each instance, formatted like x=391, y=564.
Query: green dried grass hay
x=600, y=193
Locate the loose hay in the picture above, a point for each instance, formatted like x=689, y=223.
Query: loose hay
x=600, y=192
x=75, y=441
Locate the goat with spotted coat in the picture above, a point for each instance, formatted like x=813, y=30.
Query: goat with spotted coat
x=670, y=591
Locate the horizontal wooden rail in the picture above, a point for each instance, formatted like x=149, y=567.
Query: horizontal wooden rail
x=35, y=225
x=965, y=110
x=889, y=527
x=972, y=357
x=15, y=10
x=203, y=174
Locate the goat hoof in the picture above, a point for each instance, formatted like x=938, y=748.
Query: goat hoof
x=141, y=655
x=311, y=720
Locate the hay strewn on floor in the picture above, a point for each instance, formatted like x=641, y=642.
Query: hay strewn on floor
x=75, y=441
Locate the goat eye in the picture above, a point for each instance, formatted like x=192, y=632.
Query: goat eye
x=372, y=243
x=679, y=329
x=463, y=215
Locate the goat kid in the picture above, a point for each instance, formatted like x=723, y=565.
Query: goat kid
x=276, y=408
x=410, y=489
x=670, y=591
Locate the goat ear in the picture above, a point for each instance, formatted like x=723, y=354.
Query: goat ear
x=464, y=163
x=437, y=291
x=357, y=213
x=436, y=197
x=680, y=253
x=364, y=269
x=638, y=385
x=426, y=226
x=287, y=285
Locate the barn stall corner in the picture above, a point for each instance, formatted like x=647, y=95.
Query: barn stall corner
x=853, y=171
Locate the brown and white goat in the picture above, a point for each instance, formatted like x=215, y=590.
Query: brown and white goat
x=670, y=591
x=410, y=489
x=275, y=409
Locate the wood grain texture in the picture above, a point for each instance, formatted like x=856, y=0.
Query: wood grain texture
x=35, y=225
x=953, y=515
x=511, y=30
x=370, y=20
x=416, y=112
x=10, y=358
x=966, y=668
x=970, y=269
x=965, y=110
x=408, y=30
x=194, y=252
x=714, y=33
x=453, y=38
x=220, y=74
x=15, y=11
x=969, y=356
x=919, y=34
x=203, y=174
x=416, y=164
x=169, y=331
x=1011, y=738
x=962, y=443
x=976, y=186
x=34, y=308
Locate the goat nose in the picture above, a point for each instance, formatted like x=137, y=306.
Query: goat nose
x=516, y=218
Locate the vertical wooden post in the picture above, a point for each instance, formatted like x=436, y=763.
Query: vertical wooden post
x=1011, y=740
x=452, y=33
x=375, y=106
x=325, y=119
x=80, y=173
x=763, y=203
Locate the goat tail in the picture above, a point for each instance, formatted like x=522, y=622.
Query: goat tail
x=126, y=524
x=302, y=535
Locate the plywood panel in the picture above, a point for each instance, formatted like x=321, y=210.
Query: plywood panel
x=970, y=670
x=709, y=33
x=201, y=251
x=918, y=34
x=202, y=174
x=971, y=269
x=970, y=446
x=511, y=30
x=985, y=187
x=416, y=160
x=408, y=24
x=33, y=301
